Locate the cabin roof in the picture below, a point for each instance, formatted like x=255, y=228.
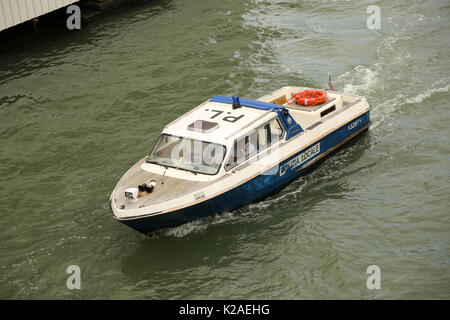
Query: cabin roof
x=230, y=122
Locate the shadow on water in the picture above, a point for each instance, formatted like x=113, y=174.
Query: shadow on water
x=168, y=254
x=51, y=28
x=216, y=242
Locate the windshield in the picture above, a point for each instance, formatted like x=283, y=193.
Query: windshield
x=187, y=154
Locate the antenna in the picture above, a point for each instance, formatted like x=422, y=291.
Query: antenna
x=330, y=85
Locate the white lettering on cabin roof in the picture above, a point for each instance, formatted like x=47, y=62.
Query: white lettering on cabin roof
x=230, y=121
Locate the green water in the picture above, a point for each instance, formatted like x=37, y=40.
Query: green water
x=77, y=110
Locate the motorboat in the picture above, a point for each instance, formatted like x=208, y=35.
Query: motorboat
x=230, y=151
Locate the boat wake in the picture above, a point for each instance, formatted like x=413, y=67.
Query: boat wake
x=401, y=99
x=359, y=81
x=197, y=226
x=251, y=210
x=364, y=81
x=391, y=105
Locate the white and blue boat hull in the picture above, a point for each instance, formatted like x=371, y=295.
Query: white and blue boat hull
x=257, y=187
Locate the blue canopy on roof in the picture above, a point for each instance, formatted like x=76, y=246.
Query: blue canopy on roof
x=247, y=103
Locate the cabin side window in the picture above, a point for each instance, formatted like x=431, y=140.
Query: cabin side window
x=257, y=140
x=263, y=135
x=243, y=149
x=276, y=130
x=269, y=133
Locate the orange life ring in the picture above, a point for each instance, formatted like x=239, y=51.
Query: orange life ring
x=309, y=97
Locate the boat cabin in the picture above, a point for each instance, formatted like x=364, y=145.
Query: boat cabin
x=224, y=132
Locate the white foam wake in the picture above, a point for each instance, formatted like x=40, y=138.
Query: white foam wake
x=389, y=106
x=359, y=81
x=425, y=95
x=198, y=226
